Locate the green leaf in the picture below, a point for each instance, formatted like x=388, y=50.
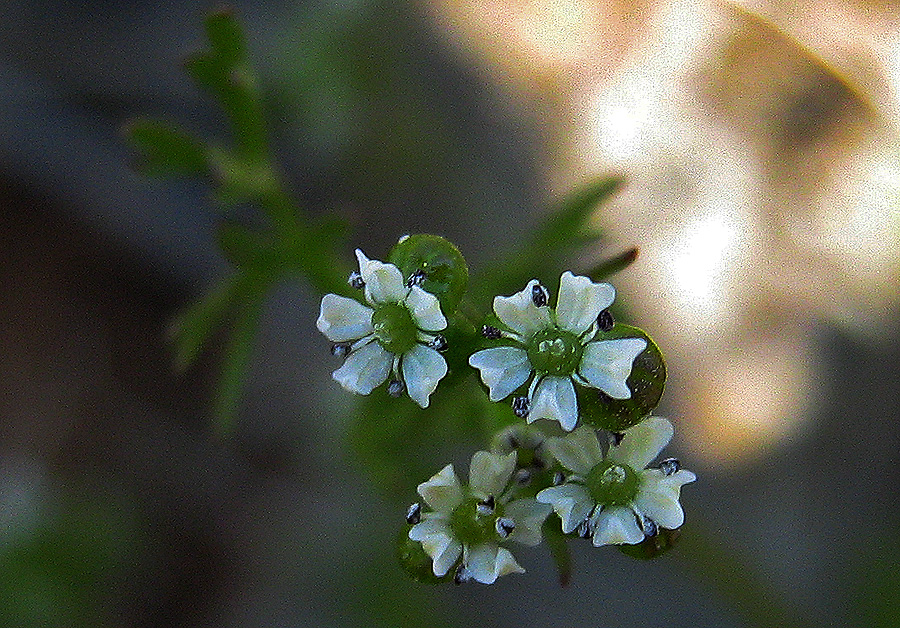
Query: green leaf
x=225, y=72
x=166, y=150
x=236, y=361
x=613, y=265
x=191, y=329
x=543, y=256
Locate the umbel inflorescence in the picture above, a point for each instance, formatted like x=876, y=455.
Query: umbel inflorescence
x=577, y=457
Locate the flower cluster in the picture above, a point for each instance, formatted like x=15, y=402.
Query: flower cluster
x=568, y=362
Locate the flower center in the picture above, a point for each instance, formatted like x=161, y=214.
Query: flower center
x=612, y=483
x=555, y=352
x=394, y=328
x=472, y=525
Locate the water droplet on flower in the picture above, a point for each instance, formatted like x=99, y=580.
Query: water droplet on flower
x=396, y=388
x=539, y=295
x=414, y=514
x=356, y=281
x=670, y=466
x=521, y=407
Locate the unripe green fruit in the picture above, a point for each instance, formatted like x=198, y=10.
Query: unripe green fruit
x=445, y=269
x=646, y=381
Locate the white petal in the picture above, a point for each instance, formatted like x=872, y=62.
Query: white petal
x=659, y=494
x=422, y=368
x=441, y=563
x=364, y=369
x=384, y=282
x=616, y=525
x=503, y=369
x=555, y=399
x=442, y=491
x=642, y=443
x=606, y=364
x=572, y=503
x=529, y=516
x=438, y=542
x=342, y=319
x=519, y=312
x=489, y=473
x=660, y=507
x=487, y=562
x=426, y=310
x=581, y=301
x=579, y=451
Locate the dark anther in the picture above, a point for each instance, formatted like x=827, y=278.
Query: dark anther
x=490, y=332
x=605, y=320
x=522, y=476
x=414, y=514
x=340, y=350
x=504, y=527
x=417, y=278
x=558, y=478
x=617, y=438
x=650, y=528
x=485, y=506
x=461, y=575
x=584, y=529
x=521, y=407
x=670, y=466
x=438, y=343
x=539, y=295
x=396, y=388
x=356, y=281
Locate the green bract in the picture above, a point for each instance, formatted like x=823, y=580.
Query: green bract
x=646, y=381
x=444, y=267
x=415, y=561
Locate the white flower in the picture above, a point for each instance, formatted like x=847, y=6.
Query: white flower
x=470, y=522
x=615, y=499
x=395, y=335
x=559, y=346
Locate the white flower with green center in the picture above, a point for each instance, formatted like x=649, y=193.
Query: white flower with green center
x=395, y=335
x=559, y=346
x=467, y=523
x=614, y=499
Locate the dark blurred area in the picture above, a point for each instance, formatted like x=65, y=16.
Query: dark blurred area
x=118, y=506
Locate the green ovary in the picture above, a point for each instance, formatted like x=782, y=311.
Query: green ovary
x=555, y=352
x=394, y=328
x=613, y=484
x=471, y=528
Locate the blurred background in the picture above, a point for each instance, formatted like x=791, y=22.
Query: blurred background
x=760, y=145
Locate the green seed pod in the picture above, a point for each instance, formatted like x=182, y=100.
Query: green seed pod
x=646, y=381
x=652, y=546
x=434, y=264
x=415, y=561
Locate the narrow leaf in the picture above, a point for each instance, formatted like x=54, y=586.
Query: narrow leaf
x=165, y=149
x=192, y=328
